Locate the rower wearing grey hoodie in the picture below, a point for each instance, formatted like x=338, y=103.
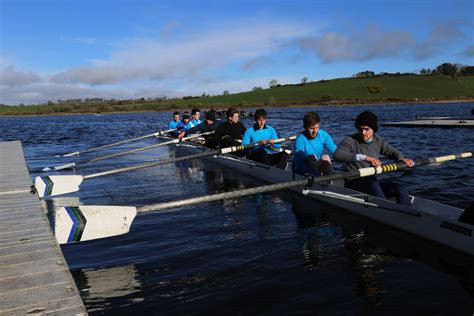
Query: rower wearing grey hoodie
x=362, y=150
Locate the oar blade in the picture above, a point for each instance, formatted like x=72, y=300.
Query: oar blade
x=76, y=153
x=56, y=185
x=65, y=166
x=80, y=223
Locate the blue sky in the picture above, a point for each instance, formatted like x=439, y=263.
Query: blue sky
x=68, y=49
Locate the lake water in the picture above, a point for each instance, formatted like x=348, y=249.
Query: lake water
x=260, y=255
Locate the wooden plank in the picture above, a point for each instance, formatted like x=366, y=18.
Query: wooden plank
x=34, y=276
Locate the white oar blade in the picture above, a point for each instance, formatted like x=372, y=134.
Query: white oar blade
x=56, y=185
x=81, y=223
x=65, y=166
x=76, y=153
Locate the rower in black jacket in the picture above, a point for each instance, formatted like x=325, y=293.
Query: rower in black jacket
x=208, y=125
x=228, y=132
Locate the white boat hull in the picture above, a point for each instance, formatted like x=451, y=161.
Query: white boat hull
x=431, y=220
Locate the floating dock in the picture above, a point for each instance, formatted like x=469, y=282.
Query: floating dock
x=434, y=122
x=34, y=276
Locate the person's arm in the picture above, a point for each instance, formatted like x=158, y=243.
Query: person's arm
x=346, y=151
x=274, y=136
x=247, y=137
x=329, y=144
x=389, y=151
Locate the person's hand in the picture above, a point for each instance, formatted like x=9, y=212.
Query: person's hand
x=262, y=142
x=373, y=161
x=271, y=141
x=326, y=158
x=408, y=162
x=181, y=135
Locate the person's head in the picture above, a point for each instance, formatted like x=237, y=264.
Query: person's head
x=186, y=117
x=366, y=124
x=176, y=116
x=260, y=117
x=232, y=115
x=311, y=123
x=195, y=114
x=210, y=117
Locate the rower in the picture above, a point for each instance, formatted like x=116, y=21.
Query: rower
x=265, y=135
x=183, y=123
x=362, y=150
x=207, y=126
x=195, y=119
x=175, y=121
x=309, y=146
x=231, y=130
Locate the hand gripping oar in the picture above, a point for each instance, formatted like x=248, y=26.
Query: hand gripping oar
x=174, y=141
x=62, y=184
x=80, y=223
x=76, y=153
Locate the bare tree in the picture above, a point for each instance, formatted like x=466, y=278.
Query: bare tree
x=273, y=83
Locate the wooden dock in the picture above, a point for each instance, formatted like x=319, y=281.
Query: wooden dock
x=34, y=277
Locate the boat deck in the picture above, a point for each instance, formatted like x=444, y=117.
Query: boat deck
x=34, y=276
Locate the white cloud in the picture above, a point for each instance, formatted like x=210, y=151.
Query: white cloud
x=373, y=43
x=190, y=57
x=12, y=77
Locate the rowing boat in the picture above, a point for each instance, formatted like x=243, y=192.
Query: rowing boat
x=431, y=220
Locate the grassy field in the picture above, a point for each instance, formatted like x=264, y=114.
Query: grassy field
x=405, y=88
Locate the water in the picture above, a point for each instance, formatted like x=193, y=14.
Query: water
x=265, y=254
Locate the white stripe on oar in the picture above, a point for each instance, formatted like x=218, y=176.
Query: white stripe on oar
x=117, y=143
x=75, y=164
x=80, y=223
x=62, y=184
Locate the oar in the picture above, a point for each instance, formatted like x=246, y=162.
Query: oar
x=75, y=164
x=80, y=223
x=76, y=153
x=62, y=184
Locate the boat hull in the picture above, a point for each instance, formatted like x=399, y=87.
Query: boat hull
x=428, y=219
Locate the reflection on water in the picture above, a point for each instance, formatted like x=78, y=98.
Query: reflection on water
x=100, y=288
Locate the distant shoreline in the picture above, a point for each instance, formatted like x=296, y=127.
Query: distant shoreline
x=337, y=103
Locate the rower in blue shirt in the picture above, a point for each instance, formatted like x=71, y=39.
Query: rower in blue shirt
x=175, y=121
x=182, y=125
x=268, y=153
x=309, y=146
x=195, y=119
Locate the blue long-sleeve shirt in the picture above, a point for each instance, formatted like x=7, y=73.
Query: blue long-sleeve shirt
x=173, y=124
x=255, y=134
x=305, y=147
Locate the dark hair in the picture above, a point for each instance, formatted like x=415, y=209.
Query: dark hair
x=230, y=112
x=194, y=111
x=175, y=113
x=310, y=119
x=260, y=113
x=186, y=115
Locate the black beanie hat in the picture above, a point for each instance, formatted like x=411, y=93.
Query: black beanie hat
x=367, y=118
x=211, y=115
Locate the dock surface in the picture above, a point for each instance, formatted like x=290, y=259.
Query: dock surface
x=34, y=276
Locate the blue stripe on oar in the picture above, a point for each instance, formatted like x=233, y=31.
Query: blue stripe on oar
x=48, y=185
x=78, y=223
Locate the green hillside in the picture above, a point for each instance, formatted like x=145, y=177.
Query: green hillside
x=378, y=89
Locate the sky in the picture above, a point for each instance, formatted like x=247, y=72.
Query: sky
x=54, y=50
